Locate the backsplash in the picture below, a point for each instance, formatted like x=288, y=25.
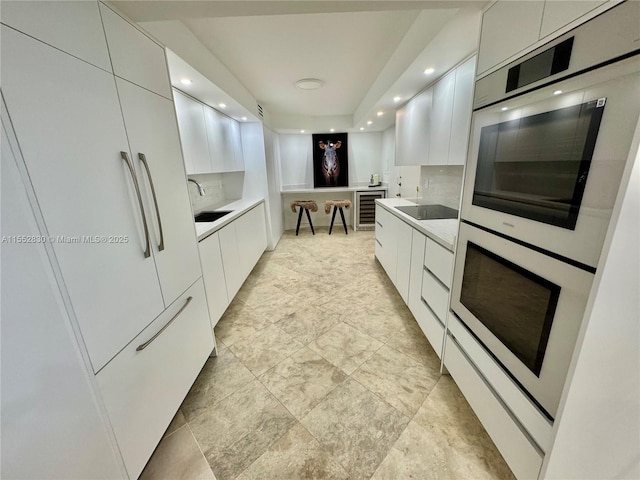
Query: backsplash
x=444, y=185
x=220, y=188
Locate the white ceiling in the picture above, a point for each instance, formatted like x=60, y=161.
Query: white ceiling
x=365, y=52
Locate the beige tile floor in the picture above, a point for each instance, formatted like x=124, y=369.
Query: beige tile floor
x=322, y=372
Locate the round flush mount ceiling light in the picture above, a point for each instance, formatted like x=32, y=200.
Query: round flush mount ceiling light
x=309, y=84
x=396, y=99
x=185, y=81
x=332, y=130
x=429, y=71
x=380, y=113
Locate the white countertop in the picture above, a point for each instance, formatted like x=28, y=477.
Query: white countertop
x=204, y=229
x=359, y=188
x=442, y=231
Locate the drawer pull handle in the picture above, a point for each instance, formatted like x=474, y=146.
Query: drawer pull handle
x=143, y=159
x=146, y=344
x=125, y=157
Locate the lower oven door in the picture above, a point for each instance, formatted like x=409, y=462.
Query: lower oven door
x=525, y=307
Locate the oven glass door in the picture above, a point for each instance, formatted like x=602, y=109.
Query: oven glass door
x=545, y=167
x=525, y=307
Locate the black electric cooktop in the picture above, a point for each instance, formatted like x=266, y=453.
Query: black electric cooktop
x=429, y=212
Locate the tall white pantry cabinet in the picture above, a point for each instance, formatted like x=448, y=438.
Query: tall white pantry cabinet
x=91, y=127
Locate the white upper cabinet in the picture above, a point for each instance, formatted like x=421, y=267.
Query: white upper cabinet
x=153, y=137
x=441, y=113
x=413, y=123
x=508, y=28
x=462, y=109
x=558, y=13
x=60, y=24
x=216, y=138
x=433, y=128
x=210, y=140
x=71, y=135
x=135, y=56
x=193, y=134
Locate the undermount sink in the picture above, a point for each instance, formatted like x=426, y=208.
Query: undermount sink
x=211, y=216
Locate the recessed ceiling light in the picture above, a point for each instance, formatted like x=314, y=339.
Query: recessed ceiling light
x=429, y=71
x=185, y=81
x=557, y=92
x=309, y=83
x=301, y=131
x=222, y=105
x=397, y=99
x=332, y=129
x=361, y=128
x=369, y=122
x=504, y=109
x=244, y=119
x=380, y=113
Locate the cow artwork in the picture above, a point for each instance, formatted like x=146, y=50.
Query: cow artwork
x=330, y=160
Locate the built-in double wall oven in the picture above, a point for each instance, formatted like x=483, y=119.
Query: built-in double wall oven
x=550, y=139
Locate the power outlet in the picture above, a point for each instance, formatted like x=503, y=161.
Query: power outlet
x=425, y=185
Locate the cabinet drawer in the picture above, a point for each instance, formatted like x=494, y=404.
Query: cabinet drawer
x=431, y=326
x=524, y=459
x=142, y=390
x=436, y=295
x=439, y=261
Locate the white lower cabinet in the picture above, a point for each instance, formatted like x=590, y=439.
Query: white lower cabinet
x=520, y=453
x=240, y=244
x=403, y=233
x=144, y=385
x=214, y=278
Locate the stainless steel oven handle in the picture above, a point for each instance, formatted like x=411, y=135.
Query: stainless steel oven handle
x=125, y=157
x=143, y=159
x=148, y=342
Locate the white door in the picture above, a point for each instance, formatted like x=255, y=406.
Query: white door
x=48, y=403
x=440, y=126
x=193, y=134
x=252, y=238
x=462, y=107
x=153, y=138
x=134, y=55
x=68, y=122
x=236, y=145
x=215, y=138
x=213, y=274
x=231, y=259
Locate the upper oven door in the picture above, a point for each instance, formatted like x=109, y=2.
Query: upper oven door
x=545, y=167
x=524, y=306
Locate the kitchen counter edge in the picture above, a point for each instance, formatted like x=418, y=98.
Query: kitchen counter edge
x=444, y=232
x=238, y=207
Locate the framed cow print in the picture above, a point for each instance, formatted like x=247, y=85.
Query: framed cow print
x=330, y=160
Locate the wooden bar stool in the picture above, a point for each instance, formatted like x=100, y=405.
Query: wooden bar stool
x=304, y=205
x=337, y=205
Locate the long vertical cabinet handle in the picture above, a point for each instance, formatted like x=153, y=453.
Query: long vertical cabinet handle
x=144, y=345
x=143, y=159
x=125, y=157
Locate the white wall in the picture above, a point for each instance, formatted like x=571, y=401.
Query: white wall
x=598, y=426
x=273, y=186
x=296, y=158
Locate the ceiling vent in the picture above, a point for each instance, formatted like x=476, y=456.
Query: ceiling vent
x=260, y=112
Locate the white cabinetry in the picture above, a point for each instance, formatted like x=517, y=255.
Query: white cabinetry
x=102, y=154
x=242, y=243
x=214, y=277
x=48, y=401
x=211, y=140
x=558, y=13
x=193, y=133
x=510, y=27
x=135, y=56
x=71, y=134
x=507, y=28
x=144, y=385
x=60, y=24
x=433, y=127
x=461, y=115
x=420, y=269
x=441, y=113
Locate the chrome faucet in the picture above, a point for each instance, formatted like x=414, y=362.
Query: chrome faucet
x=200, y=187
